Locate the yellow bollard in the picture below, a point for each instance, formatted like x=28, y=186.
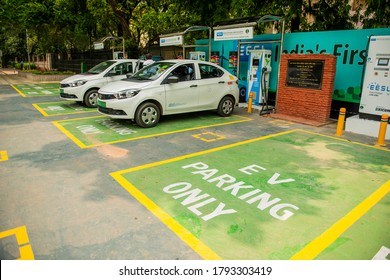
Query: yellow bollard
x=250, y=102
x=340, y=122
x=382, y=130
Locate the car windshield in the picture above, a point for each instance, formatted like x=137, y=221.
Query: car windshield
x=101, y=67
x=153, y=71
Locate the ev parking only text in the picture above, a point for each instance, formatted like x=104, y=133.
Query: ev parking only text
x=195, y=198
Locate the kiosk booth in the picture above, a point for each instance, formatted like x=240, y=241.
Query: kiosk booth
x=178, y=39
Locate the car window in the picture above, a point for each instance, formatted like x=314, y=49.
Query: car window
x=209, y=71
x=101, y=67
x=128, y=68
x=121, y=69
x=184, y=72
x=153, y=71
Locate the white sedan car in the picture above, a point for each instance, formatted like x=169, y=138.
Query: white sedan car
x=170, y=87
x=84, y=87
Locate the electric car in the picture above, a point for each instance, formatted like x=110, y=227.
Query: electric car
x=170, y=87
x=84, y=87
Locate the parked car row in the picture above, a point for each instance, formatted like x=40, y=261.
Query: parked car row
x=122, y=89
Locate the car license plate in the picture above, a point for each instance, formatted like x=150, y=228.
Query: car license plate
x=101, y=103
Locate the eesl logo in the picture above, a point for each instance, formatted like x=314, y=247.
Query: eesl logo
x=219, y=34
x=374, y=86
x=381, y=109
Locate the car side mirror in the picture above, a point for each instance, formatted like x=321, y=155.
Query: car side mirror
x=173, y=80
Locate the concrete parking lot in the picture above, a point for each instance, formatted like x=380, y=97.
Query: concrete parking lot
x=77, y=185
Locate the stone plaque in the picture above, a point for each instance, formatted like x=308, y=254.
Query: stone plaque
x=305, y=73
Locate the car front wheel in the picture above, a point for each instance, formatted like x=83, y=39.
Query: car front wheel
x=226, y=106
x=90, y=98
x=147, y=115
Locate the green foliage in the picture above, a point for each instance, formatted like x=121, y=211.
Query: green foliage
x=38, y=72
x=331, y=15
x=73, y=25
x=377, y=14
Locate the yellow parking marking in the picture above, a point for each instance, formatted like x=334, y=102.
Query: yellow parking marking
x=25, y=248
x=83, y=146
x=18, y=91
x=197, y=245
x=36, y=106
x=315, y=247
x=208, y=139
x=3, y=156
x=71, y=136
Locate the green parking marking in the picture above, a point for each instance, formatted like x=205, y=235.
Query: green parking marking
x=96, y=131
x=270, y=197
x=370, y=234
x=41, y=89
x=61, y=108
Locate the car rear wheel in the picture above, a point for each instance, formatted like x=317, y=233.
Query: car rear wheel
x=90, y=98
x=226, y=106
x=147, y=115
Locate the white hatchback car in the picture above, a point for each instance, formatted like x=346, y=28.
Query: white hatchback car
x=170, y=87
x=84, y=87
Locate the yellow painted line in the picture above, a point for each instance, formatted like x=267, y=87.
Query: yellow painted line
x=25, y=248
x=21, y=93
x=216, y=137
x=43, y=112
x=198, y=246
x=203, y=152
x=69, y=135
x=315, y=247
x=82, y=145
x=3, y=156
x=36, y=106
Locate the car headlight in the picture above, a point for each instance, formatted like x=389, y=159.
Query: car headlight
x=128, y=93
x=77, y=83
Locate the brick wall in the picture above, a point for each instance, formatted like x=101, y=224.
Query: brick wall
x=310, y=104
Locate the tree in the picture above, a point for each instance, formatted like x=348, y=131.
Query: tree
x=377, y=14
x=331, y=15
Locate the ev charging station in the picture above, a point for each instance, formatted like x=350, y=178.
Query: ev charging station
x=259, y=69
x=375, y=98
x=253, y=76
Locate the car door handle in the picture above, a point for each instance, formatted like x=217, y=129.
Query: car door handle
x=193, y=85
x=221, y=82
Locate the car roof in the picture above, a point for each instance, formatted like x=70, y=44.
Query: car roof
x=125, y=59
x=186, y=61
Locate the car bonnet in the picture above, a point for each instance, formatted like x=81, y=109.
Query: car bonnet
x=115, y=87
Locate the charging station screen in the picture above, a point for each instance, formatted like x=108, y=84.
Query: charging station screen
x=383, y=61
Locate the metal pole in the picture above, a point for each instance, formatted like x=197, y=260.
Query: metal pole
x=28, y=51
x=124, y=54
